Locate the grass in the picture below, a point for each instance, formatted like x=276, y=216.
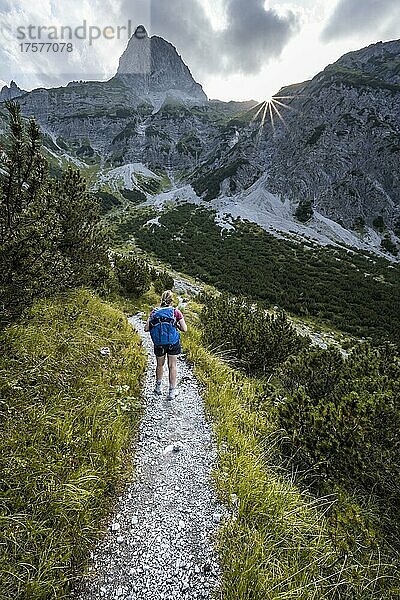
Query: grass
x=279, y=542
x=67, y=418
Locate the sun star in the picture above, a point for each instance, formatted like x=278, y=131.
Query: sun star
x=270, y=109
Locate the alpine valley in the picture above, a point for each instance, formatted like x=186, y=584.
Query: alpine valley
x=319, y=165
x=277, y=226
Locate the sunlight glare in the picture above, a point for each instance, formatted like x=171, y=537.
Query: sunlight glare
x=270, y=107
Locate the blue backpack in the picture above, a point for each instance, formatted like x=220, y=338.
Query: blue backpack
x=163, y=329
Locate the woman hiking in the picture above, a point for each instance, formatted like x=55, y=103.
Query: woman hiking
x=164, y=324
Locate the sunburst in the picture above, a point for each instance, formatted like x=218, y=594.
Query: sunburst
x=271, y=109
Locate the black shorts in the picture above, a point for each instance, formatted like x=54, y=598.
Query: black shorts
x=170, y=349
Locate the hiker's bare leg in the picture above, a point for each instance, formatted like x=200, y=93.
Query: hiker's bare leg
x=172, y=371
x=160, y=367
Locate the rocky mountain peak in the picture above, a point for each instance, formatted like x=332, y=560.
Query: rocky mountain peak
x=9, y=93
x=380, y=60
x=152, y=67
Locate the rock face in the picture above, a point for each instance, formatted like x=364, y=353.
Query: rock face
x=380, y=61
x=151, y=111
x=10, y=93
x=339, y=147
x=152, y=68
x=343, y=149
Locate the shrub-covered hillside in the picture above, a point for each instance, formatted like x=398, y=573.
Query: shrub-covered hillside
x=351, y=292
x=51, y=237
x=308, y=457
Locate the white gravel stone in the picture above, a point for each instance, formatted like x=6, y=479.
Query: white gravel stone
x=168, y=449
x=217, y=517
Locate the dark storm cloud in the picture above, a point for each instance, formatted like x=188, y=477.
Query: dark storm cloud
x=184, y=23
x=355, y=17
x=252, y=35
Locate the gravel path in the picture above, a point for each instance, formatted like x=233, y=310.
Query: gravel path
x=159, y=541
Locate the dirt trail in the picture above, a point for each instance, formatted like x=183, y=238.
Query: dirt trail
x=159, y=541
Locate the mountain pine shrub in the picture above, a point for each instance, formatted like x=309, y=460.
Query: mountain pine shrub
x=342, y=417
x=162, y=281
x=388, y=245
x=304, y=210
x=50, y=236
x=133, y=274
x=82, y=240
x=379, y=224
x=30, y=261
x=260, y=341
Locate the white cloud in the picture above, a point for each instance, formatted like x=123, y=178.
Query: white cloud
x=305, y=55
x=358, y=19
x=98, y=60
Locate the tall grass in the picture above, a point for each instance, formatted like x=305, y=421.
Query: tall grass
x=278, y=543
x=67, y=417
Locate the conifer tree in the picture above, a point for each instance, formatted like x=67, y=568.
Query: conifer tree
x=83, y=240
x=30, y=262
x=50, y=232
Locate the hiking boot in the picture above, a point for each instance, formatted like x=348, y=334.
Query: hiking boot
x=171, y=394
x=157, y=389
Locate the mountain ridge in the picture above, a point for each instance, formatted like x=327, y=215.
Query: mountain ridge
x=335, y=147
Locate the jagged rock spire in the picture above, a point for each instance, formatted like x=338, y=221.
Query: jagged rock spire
x=151, y=65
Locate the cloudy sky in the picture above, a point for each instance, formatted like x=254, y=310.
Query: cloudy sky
x=238, y=49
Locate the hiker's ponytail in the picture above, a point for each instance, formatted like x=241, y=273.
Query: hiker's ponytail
x=166, y=298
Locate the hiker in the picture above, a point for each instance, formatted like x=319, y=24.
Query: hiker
x=164, y=324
